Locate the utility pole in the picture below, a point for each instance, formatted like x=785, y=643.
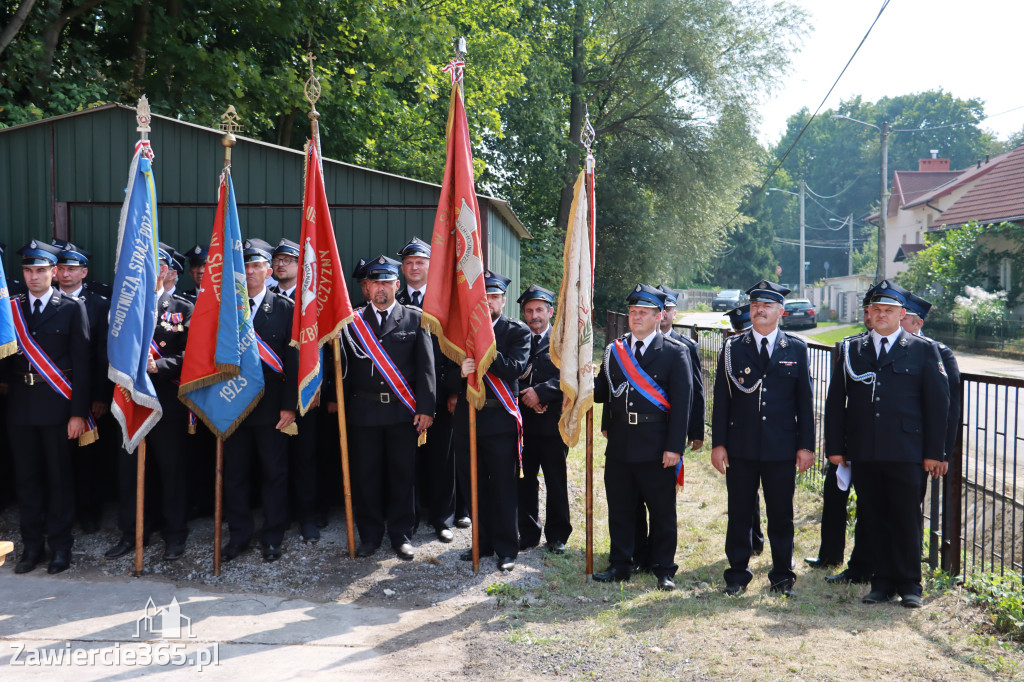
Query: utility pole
x=803, y=264
x=884, y=212
x=849, y=250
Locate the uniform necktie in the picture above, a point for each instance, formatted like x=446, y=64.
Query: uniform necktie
x=416, y=298
x=252, y=304
x=639, y=349
x=383, y=317
x=37, y=305
x=534, y=344
x=765, y=358
x=882, y=351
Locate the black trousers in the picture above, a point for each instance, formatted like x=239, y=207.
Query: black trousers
x=45, y=484
x=547, y=453
x=435, y=482
x=270, y=447
x=833, y=527
x=302, y=466
x=627, y=485
x=166, y=461
x=889, y=506
x=383, y=481
x=497, y=471
x=778, y=481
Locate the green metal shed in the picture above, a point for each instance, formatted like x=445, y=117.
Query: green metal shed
x=65, y=177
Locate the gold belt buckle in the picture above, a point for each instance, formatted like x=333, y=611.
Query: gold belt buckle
x=385, y=398
x=631, y=417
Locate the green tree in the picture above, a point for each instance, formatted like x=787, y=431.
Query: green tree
x=953, y=260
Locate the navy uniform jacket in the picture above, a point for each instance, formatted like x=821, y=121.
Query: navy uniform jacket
x=273, y=322
x=668, y=363
x=191, y=295
x=542, y=375
x=97, y=308
x=769, y=424
x=442, y=365
x=906, y=422
x=170, y=337
x=696, y=430
x=408, y=345
x=62, y=331
x=953, y=378
x=512, y=341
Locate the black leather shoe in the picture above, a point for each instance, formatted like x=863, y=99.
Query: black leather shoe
x=911, y=601
x=123, y=546
x=445, y=535
x=174, y=551
x=60, y=562
x=877, y=597
x=846, y=578
x=784, y=589
x=815, y=562
x=405, y=552
x=506, y=564
x=612, y=574
x=463, y=522
x=29, y=560
x=556, y=547
x=468, y=555
x=232, y=552
x=366, y=549
x=733, y=589
x=309, y=532
x=666, y=583
x=271, y=553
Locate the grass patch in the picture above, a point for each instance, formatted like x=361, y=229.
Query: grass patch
x=1002, y=596
x=836, y=335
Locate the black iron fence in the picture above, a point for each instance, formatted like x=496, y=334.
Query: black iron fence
x=974, y=514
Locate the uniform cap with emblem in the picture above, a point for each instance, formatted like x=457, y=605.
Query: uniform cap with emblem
x=197, y=254
x=888, y=292
x=917, y=306
x=671, y=296
x=178, y=262
x=286, y=247
x=496, y=284
x=359, y=271
x=415, y=247
x=867, y=296
x=739, y=318
x=536, y=293
x=72, y=254
x=767, y=292
x=382, y=269
x=646, y=296
x=164, y=255
x=255, y=250
x=38, y=253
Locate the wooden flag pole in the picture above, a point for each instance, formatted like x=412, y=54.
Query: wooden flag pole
x=590, y=493
x=343, y=439
x=218, y=506
x=140, y=504
x=473, y=492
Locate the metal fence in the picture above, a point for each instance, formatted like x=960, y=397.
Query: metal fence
x=975, y=514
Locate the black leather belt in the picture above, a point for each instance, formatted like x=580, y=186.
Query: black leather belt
x=382, y=398
x=492, y=402
x=633, y=418
x=31, y=378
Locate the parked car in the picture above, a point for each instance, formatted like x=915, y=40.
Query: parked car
x=798, y=312
x=727, y=299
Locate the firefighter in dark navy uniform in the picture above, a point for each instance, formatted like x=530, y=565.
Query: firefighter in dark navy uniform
x=762, y=426
x=540, y=397
x=166, y=443
x=196, y=268
x=383, y=429
x=646, y=384
x=497, y=432
x=41, y=423
x=886, y=413
x=261, y=433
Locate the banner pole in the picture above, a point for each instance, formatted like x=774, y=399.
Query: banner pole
x=140, y=504
x=590, y=494
x=218, y=505
x=343, y=441
x=473, y=492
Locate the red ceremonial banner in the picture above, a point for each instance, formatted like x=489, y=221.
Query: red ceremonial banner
x=455, y=309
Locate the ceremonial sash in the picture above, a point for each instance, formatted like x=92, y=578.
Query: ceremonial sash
x=382, y=361
x=640, y=380
x=43, y=365
x=155, y=350
x=504, y=395
x=268, y=356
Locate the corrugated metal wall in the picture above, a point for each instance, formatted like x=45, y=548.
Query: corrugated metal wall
x=85, y=158
x=503, y=255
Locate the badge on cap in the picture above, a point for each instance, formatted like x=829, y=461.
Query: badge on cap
x=32, y=244
x=637, y=288
x=381, y=260
x=197, y=250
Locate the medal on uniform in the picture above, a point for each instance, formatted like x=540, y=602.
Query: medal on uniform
x=266, y=307
x=746, y=371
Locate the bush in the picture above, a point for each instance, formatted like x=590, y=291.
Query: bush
x=1003, y=597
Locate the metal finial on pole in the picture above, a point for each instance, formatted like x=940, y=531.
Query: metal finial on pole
x=587, y=138
x=312, y=90
x=229, y=125
x=143, y=116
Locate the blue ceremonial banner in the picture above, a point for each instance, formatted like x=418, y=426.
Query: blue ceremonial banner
x=8, y=336
x=222, y=374
x=133, y=304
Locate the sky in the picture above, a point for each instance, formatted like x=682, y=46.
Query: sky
x=969, y=49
